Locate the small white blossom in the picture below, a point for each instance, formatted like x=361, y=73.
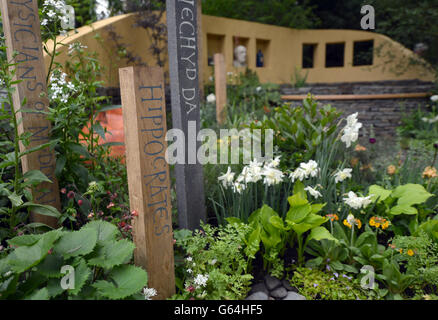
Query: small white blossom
x=189, y=270
x=316, y=194
x=356, y=202
x=305, y=171
x=189, y=259
x=342, y=175
x=272, y=176
x=201, y=280
x=211, y=98
x=149, y=293
x=351, y=130
x=227, y=178
x=274, y=163
x=238, y=187
x=213, y=262
x=434, y=98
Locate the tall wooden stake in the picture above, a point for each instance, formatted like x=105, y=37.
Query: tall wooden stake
x=144, y=118
x=220, y=78
x=21, y=27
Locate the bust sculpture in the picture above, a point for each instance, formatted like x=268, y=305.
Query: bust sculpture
x=240, y=56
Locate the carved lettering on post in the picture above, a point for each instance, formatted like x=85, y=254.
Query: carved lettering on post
x=21, y=27
x=220, y=77
x=144, y=119
x=182, y=18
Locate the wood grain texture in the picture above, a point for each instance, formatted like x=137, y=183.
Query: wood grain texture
x=144, y=118
x=220, y=83
x=360, y=96
x=21, y=27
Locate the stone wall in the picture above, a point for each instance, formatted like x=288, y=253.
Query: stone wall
x=383, y=114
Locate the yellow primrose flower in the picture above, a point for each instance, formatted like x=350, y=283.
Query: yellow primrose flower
x=430, y=172
x=391, y=170
x=379, y=222
x=410, y=252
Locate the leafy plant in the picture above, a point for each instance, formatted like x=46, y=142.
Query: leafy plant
x=33, y=267
x=216, y=264
x=319, y=285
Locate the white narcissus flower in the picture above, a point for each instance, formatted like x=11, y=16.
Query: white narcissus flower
x=274, y=163
x=211, y=98
x=434, y=98
x=313, y=192
x=351, y=219
x=298, y=174
x=351, y=130
x=255, y=171
x=356, y=202
x=238, y=187
x=227, y=178
x=311, y=168
x=272, y=176
x=342, y=175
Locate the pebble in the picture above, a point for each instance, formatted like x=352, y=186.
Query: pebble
x=259, y=287
x=294, y=296
x=287, y=285
x=258, y=296
x=279, y=293
x=272, y=282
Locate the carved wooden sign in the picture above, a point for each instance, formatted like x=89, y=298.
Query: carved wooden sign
x=22, y=31
x=144, y=119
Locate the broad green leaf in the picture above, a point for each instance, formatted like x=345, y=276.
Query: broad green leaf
x=105, y=231
x=77, y=243
x=277, y=222
x=23, y=258
x=112, y=254
x=301, y=228
x=42, y=294
x=35, y=177
x=82, y=274
x=321, y=233
x=42, y=209
x=126, y=281
x=51, y=266
x=15, y=199
x=26, y=240
x=410, y=194
x=317, y=207
x=314, y=220
x=379, y=192
x=403, y=209
x=54, y=288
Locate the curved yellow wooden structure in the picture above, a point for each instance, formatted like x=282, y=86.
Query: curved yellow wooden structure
x=283, y=50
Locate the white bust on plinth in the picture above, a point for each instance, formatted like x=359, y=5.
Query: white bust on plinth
x=240, y=56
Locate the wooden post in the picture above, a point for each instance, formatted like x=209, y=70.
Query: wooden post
x=220, y=76
x=144, y=119
x=184, y=82
x=21, y=27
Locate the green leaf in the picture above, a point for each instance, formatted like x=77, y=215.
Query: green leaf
x=51, y=266
x=15, y=199
x=378, y=192
x=24, y=258
x=82, y=274
x=410, y=194
x=35, y=177
x=26, y=240
x=403, y=209
x=77, y=243
x=320, y=233
x=277, y=222
x=54, y=288
x=112, y=254
x=105, y=231
x=42, y=209
x=127, y=280
x=42, y=294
